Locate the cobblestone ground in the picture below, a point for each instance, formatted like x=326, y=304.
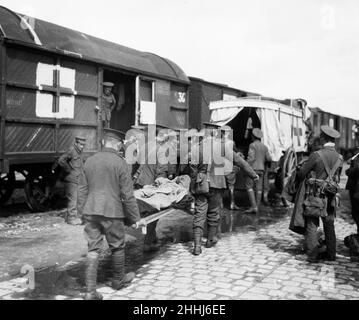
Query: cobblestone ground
x=264, y=264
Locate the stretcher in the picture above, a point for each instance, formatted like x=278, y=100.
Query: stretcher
x=164, y=202
x=156, y=216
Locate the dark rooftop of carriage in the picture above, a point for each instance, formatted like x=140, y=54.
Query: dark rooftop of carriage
x=74, y=43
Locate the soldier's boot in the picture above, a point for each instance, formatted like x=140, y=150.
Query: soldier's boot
x=73, y=219
x=211, y=237
x=91, y=277
x=265, y=198
x=120, y=279
x=197, y=234
x=150, y=242
x=233, y=205
x=252, y=201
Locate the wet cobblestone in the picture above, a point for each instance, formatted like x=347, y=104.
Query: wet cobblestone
x=264, y=264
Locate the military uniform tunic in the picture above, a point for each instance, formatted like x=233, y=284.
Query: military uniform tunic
x=316, y=165
x=209, y=205
x=258, y=155
x=108, y=196
x=71, y=163
x=108, y=104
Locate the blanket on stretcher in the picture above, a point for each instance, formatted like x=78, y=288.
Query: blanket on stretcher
x=163, y=194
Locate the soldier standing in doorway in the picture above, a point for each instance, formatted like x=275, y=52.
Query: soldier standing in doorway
x=108, y=104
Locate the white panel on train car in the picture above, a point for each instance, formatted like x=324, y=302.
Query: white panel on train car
x=45, y=74
x=147, y=112
x=66, y=108
x=44, y=102
x=67, y=78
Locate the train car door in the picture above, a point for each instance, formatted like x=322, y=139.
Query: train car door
x=145, y=101
x=124, y=113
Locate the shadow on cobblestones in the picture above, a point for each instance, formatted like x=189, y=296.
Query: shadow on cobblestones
x=67, y=282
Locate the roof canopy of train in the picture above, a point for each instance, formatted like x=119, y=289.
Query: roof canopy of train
x=228, y=110
x=48, y=36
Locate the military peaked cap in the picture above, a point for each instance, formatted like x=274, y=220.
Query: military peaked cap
x=114, y=134
x=80, y=138
x=108, y=84
x=330, y=132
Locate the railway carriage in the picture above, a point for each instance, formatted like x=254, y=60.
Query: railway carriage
x=348, y=128
x=51, y=90
x=282, y=121
x=202, y=93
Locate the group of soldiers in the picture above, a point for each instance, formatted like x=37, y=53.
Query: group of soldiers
x=209, y=182
x=100, y=192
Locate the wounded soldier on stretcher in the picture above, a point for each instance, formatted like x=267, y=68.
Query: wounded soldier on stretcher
x=152, y=195
x=164, y=193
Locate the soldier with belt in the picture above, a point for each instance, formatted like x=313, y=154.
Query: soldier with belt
x=108, y=104
x=258, y=156
x=317, y=167
x=71, y=162
x=109, y=204
x=208, y=183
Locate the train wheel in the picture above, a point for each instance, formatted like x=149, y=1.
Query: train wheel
x=7, y=185
x=37, y=192
x=289, y=165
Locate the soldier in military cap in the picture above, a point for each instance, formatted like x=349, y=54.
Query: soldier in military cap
x=109, y=204
x=258, y=156
x=321, y=164
x=208, y=184
x=108, y=103
x=71, y=163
